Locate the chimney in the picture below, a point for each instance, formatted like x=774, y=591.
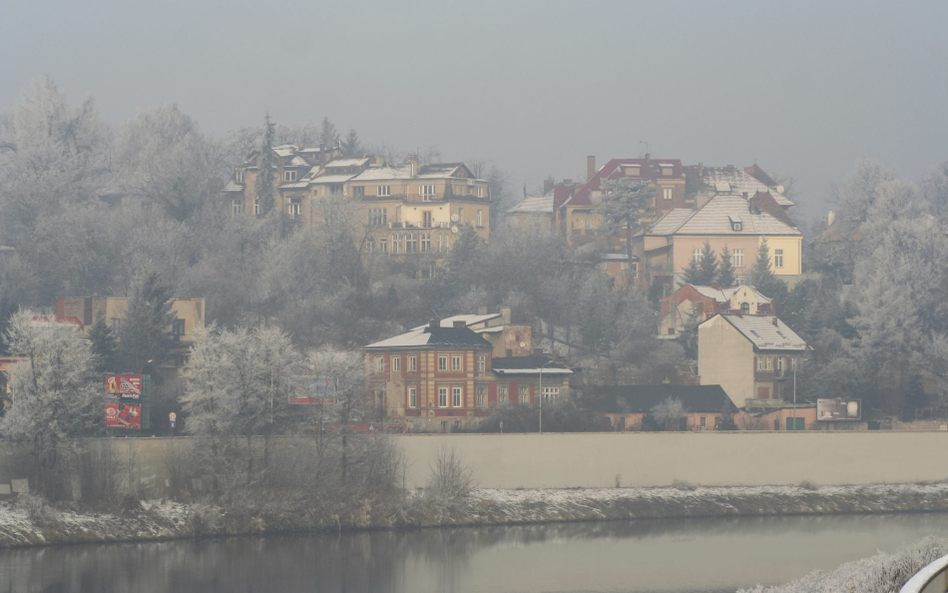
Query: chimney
x=482, y=310
x=775, y=322
x=547, y=186
x=505, y=315
x=322, y=155
x=459, y=324
x=590, y=167
x=434, y=323
x=700, y=169
x=830, y=218
x=415, y=164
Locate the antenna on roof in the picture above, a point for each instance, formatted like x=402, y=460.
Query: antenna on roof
x=645, y=142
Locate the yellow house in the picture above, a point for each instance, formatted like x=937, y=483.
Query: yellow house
x=753, y=357
x=730, y=221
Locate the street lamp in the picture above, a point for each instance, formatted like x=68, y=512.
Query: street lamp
x=541, y=393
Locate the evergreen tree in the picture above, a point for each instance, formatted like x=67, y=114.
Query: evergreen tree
x=351, y=146
x=692, y=272
x=623, y=204
x=328, y=136
x=104, y=347
x=762, y=276
x=726, y=269
x=265, y=176
x=145, y=335
x=708, y=266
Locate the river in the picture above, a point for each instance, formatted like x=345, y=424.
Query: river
x=693, y=556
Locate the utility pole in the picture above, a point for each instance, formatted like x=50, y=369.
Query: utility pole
x=541, y=393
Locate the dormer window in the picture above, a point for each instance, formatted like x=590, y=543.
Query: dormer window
x=239, y=175
x=736, y=224
x=289, y=176
x=633, y=171
x=667, y=171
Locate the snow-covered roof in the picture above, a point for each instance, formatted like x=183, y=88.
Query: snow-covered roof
x=432, y=171
x=716, y=218
x=735, y=181
x=336, y=178
x=286, y=150
x=424, y=337
x=766, y=332
x=297, y=161
x=359, y=162
x=469, y=319
x=534, y=205
x=233, y=186
x=724, y=294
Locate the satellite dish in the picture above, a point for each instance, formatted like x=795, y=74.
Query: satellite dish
x=780, y=189
x=523, y=344
x=454, y=229
x=455, y=217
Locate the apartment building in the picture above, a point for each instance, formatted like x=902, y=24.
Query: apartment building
x=693, y=303
x=438, y=378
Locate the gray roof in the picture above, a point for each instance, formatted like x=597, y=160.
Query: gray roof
x=429, y=337
x=735, y=181
x=716, y=217
x=534, y=205
x=766, y=332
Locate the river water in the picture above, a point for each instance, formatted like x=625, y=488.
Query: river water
x=694, y=556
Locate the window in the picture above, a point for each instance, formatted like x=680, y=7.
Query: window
x=425, y=242
x=426, y=219
x=704, y=422
x=549, y=394
x=586, y=222
x=358, y=192
x=455, y=363
x=668, y=193
x=412, y=397
x=778, y=258
x=667, y=171
x=480, y=221
x=745, y=308
x=369, y=245
x=760, y=363
x=780, y=364
x=481, y=364
x=444, y=426
x=632, y=171
x=177, y=327
x=524, y=395
x=769, y=361
x=442, y=363
x=480, y=397
x=239, y=175
x=412, y=364
x=378, y=216
x=256, y=207
x=384, y=190
x=116, y=323
x=427, y=192
x=395, y=244
x=737, y=258
x=396, y=363
x=456, y=397
x=696, y=255
x=383, y=245
x=442, y=397
x=460, y=214
x=635, y=270
x=294, y=208
x=737, y=225
x=502, y=394
x=289, y=176
x=411, y=243
x=480, y=192
x=379, y=364
x=237, y=207
x=457, y=425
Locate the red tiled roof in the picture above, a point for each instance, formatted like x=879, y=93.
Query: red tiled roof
x=649, y=171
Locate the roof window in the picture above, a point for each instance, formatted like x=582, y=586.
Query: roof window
x=737, y=224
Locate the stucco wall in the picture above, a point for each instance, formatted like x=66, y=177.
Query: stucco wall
x=726, y=358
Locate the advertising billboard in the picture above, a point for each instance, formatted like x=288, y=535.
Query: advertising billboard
x=123, y=416
x=313, y=390
x=837, y=409
x=124, y=386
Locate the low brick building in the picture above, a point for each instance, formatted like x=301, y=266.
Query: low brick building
x=626, y=406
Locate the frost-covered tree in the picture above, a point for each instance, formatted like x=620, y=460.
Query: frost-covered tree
x=624, y=203
x=668, y=412
x=55, y=394
x=264, y=188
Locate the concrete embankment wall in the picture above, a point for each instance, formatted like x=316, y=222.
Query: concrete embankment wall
x=633, y=459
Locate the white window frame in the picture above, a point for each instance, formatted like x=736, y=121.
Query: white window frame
x=737, y=258
x=456, y=397
x=379, y=364
x=549, y=394
x=294, y=209
x=412, y=364
x=256, y=206
x=383, y=190
x=427, y=192
x=503, y=394
x=481, y=364
x=456, y=363
x=425, y=242
x=696, y=255
x=412, y=397
x=240, y=175
x=480, y=191
x=480, y=397
x=289, y=176
x=442, y=397
x=778, y=258
x=383, y=245
x=480, y=221
x=442, y=363
x=237, y=206
x=523, y=395
x=396, y=363
x=668, y=193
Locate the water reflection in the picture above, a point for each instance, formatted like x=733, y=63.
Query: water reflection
x=680, y=556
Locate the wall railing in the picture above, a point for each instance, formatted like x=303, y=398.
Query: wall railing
x=931, y=579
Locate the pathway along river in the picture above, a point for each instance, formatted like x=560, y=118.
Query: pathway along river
x=711, y=555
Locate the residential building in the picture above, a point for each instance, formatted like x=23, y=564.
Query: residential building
x=691, y=304
x=704, y=183
x=396, y=211
x=626, y=406
x=6, y=394
x=540, y=212
x=189, y=317
x=506, y=338
x=752, y=357
x=438, y=379
x=669, y=245
x=579, y=220
x=785, y=417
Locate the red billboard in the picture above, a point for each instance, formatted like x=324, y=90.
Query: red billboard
x=125, y=386
x=124, y=416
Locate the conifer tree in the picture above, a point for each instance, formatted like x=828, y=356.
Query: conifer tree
x=726, y=269
x=328, y=136
x=708, y=266
x=265, y=177
x=145, y=334
x=104, y=346
x=692, y=272
x=762, y=276
x=351, y=146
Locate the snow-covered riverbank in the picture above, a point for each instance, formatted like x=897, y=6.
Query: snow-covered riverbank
x=30, y=522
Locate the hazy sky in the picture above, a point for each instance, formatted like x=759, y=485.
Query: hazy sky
x=802, y=87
